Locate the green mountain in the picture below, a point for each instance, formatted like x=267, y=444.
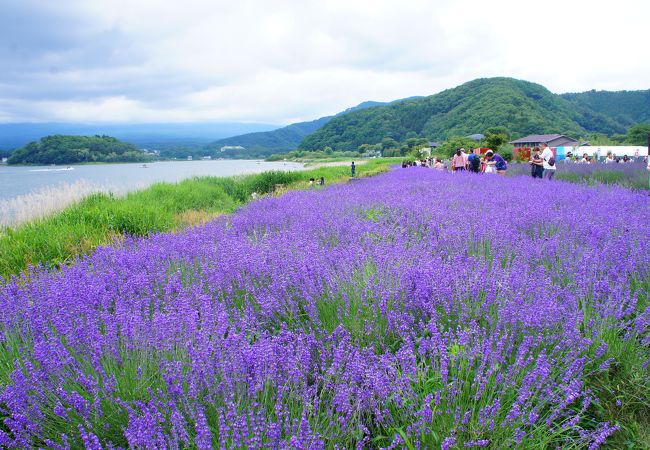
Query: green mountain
x=282, y=140
x=624, y=107
x=61, y=149
x=520, y=106
x=266, y=143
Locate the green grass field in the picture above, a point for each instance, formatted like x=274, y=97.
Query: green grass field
x=103, y=218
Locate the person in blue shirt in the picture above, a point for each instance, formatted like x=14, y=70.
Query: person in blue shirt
x=500, y=164
x=473, y=161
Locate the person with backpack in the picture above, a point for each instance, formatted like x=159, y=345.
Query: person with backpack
x=548, y=159
x=474, y=161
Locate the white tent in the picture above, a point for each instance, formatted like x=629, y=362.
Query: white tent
x=632, y=151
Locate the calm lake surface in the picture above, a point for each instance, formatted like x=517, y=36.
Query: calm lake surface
x=16, y=181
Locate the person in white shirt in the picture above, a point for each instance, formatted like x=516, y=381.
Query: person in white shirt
x=549, y=162
x=609, y=158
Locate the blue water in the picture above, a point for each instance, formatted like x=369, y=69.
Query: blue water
x=20, y=180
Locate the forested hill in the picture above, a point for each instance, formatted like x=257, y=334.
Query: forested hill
x=63, y=149
x=520, y=106
x=282, y=140
x=625, y=107
x=267, y=142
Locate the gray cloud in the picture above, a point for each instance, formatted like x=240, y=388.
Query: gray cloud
x=143, y=60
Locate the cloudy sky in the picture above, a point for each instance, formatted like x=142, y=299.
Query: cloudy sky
x=280, y=61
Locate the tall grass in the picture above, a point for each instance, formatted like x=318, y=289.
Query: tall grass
x=102, y=218
x=46, y=201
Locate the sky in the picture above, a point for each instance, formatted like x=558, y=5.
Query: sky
x=283, y=61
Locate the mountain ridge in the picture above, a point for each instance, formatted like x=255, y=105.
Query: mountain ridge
x=282, y=140
x=521, y=106
x=14, y=135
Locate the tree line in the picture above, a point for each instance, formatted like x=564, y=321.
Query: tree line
x=66, y=149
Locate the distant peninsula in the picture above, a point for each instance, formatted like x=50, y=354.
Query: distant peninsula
x=66, y=149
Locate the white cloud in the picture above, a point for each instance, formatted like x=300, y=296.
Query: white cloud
x=144, y=60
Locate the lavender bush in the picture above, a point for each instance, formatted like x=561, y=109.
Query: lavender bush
x=631, y=175
x=416, y=309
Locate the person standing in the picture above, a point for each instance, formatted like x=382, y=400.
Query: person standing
x=548, y=162
x=536, y=164
x=464, y=155
x=609, y=158
x=354, y=170
x=458, y=161
x=474, y=162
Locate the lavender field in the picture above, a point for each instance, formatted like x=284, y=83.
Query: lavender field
x=630, y=175
x=414, y=309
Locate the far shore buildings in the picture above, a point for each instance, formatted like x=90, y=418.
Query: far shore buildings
x=552, y=140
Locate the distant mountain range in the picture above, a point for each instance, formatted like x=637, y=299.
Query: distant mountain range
x=282, y=140
x=13, y=135
x=520, y=106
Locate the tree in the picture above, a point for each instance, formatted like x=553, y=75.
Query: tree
x=498, y=130
x=601, y=139
x=449, y=147
x=59, y=149
x=638, y=134
x=391, y=152
x=389, y=142
x=495, y=137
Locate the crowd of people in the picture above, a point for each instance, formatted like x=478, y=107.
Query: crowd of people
x=472, y=161
x=609, y=158
x=543, y=162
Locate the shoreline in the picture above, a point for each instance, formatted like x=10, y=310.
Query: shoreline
x=24, y=180
x=99, y=219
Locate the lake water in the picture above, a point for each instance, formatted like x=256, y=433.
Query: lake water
x=20, y=180
x=27, y=193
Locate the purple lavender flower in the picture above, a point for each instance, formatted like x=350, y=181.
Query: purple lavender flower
x=445, y=306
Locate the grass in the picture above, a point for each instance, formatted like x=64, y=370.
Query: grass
x=101, y=219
